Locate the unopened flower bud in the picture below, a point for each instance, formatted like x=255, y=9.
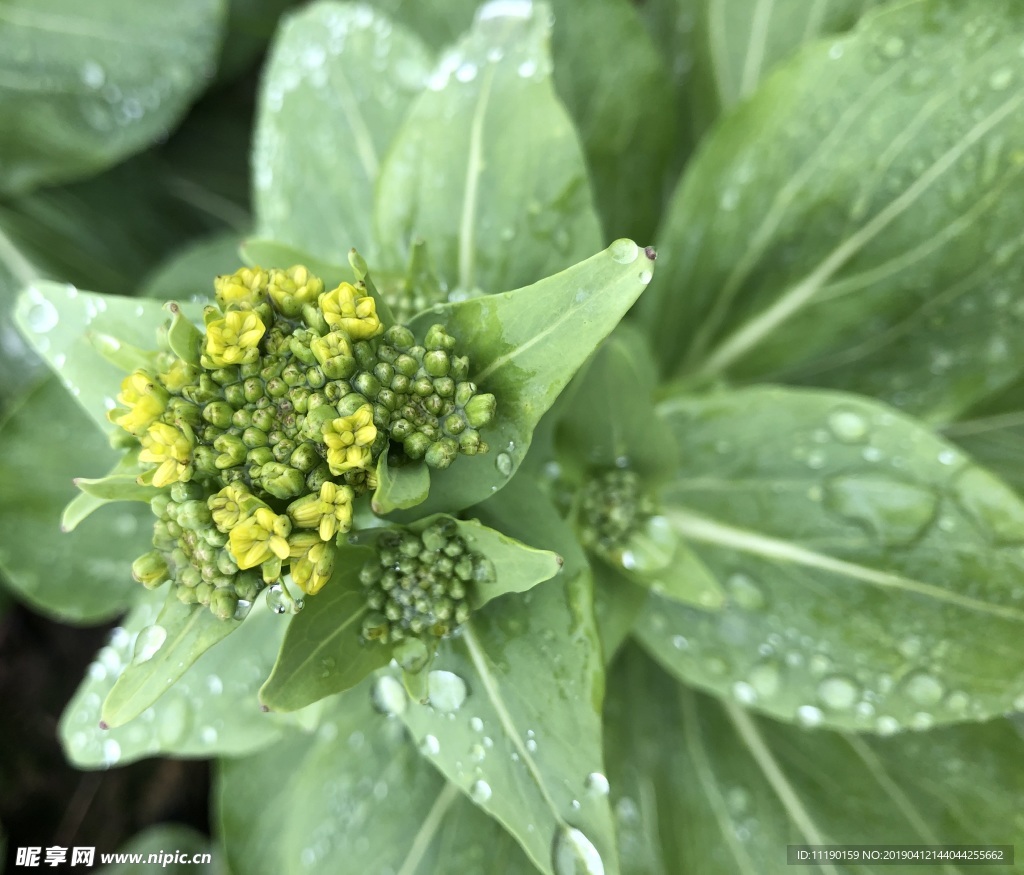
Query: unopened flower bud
x=282, y=481
x=150, y=569
x=234, y=338
x=245, y=286
x=480, y=410
x=442, y=453
x=223, y=604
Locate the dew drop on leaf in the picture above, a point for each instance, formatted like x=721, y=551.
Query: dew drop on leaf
x=503, y=463
x=276, y=599
x=480, y=792
x=624, y=251
x=838, y=693
x=572, y=853
x=447, y=691
x=42, y=316
x=924, y=689
x=388, y=696
x=745, y=592
x=430, y=746
x=848, y=426
x=149, y=641
x=809, y=715
x=596, y=784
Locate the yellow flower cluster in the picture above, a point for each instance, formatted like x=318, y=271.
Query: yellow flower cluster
x=144, y=398
x=234, y=340
x=349, y=440
x=352, y=312
x=170, y=449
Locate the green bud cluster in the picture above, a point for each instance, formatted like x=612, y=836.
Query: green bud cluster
x=192, y=553
x=417, y=585
x=613, y=506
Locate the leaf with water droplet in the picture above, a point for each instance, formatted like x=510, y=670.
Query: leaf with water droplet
x=80, y=576
x=400, y=487
x=454, y=177
x=532, y=664
x=330, y=626
x=65, y=343
x=860, y=254
x=525, y=354
x=747, y=785
x=355, y=796
x=834, y=561
x=80, y=82
x=190, y=631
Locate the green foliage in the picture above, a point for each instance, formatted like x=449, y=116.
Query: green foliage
x=677, y=587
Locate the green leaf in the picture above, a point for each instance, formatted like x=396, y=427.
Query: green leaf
x=180, y=635
x=530, y=670
x=160, y=844
x=323, y=652
x=735, y=46
x=518, y=566
x=873, y=570
x=487, y=167
x=120, y=484
x=745, y=787
x=678, y=573
x=59, y=321
x=524, y=346
x=353, y=797
x=440, y=24
x=82, y=87
x=399, y=488
x=210, y=710
x=852, y=224
x=338, y=84
x=619, y=93
x=83, y=576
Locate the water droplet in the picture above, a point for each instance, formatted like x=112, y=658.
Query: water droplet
x=894, y=511
x=744, y=693
x=150, y=640
x=892, y=48
x=277, y=601
x=215, y=685
x=430, y=746
x=572, y=853
x=466, y=72
x=42, y=316
x=531, y=745
x=111, y=752
x=476, y=724
x=503, y=463
x=909, y=647
x=838, y=693
x=645, y=276
x=922, y=720
x=744, y=591
x=388, y=696
x=596, y=784
x=505, y=9
x=528, y=68
x=848, y=426
x=92, y=75
x=958, y=701
x=679, y=642
x=924, y=689
x=447, y=690
x=887, y=725
x=242, y=609
x=764, y=678
x=809, y=715
x=1000, y=80
x=624, y=251
x=208, y=735
x=480, y=792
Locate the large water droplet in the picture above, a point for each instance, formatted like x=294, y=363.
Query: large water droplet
x=808, y=715
x=480, y=792
x=447, y=690
x=848, y=426
x=388, y=696
x=838, y=693
x=572, y=853
x=894, y=511
x=624, y=251
x=503, y=463
x=92, y=75
x=596, y=784
x=150, y=640
x=430, y=746
x=277, y=600
x=42, y=316
x=924, y=689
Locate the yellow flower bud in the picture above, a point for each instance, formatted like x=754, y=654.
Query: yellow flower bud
x=231, y=505
x=349, y=440
x=259, y=537
x=170, y=449
x=329, y=512
x=145, y=400
x=291, y=289
x=246, y=285
x=313, y=569
x=355, y=314
x=234, y=339
x=330, y=345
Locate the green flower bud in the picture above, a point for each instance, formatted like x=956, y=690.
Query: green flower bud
x=235, y=395
x=454, y=424
x=400, y=429
x=150, y=569
x=304, y=457
x=416, y=445
x=186, y=596
x=423, y=387
x=444, y=386
x=223, y=604
x=194, y=514
x=232, y=451
x=406, y=365
x=218, y=413
x=387, y=399
x=442, y=453
x=253, y=437
x=264, y=419
x=351, y=403
x=365, y=355
x=317, y=379
x=253, y=389
x=316, y=478
x=400, y=384
x=460, y=368
x=181, y=492
x=384, y=373
x=399, y=337
x=470, y=443
x=260, y=456
x=438, y=339
x=436, y=363
x=282, y=481
x=480, y=410
x=299, y=346
x=276, y=387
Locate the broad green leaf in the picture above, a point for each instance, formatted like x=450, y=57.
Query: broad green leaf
x=524, y=346
x=178, y=637
x=188, y=275
x=736, y=44
x=515, y=702
x=211, y=710
x=353, y=797
x=618, y=91
x=852, y=225
x=338, y=84
x=82, y=576
x=323, y=652
x=161, y=844
x=84, y=86
x=487, y=167
x=439, y=23
x=399, y=488
x=873, y=570
x=704, y=786
x=60, y=322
